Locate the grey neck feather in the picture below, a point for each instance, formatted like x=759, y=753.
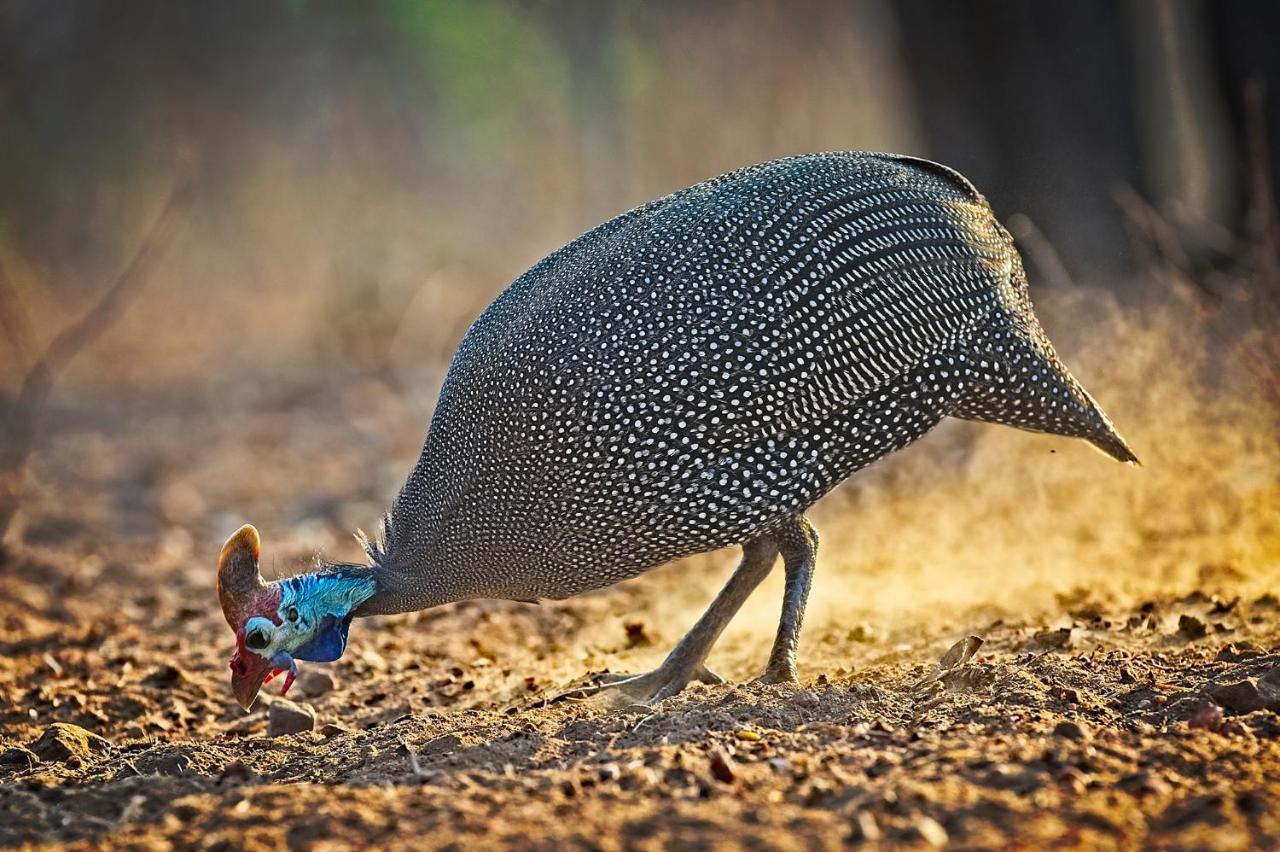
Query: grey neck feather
x=399, y=590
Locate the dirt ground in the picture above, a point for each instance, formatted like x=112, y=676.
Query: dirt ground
x=1095, y=713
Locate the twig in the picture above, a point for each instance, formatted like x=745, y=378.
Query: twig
x=33, y=395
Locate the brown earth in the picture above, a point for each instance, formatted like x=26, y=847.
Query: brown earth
x=1126, y=693
x=433, y=737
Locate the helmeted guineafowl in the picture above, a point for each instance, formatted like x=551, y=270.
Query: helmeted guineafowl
x=690, y=375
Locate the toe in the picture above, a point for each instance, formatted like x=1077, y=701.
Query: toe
x=705, y=675
x=779, y=674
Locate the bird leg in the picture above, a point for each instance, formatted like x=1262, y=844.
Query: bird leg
x=685, y=662
x=798, y=542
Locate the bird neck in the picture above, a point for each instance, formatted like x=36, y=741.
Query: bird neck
x=336, y=589
x=383, y=590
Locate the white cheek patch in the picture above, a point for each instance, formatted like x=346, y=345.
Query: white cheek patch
x=277, y=636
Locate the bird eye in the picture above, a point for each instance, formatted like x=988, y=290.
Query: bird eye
x=291, y=613
x=256, y=639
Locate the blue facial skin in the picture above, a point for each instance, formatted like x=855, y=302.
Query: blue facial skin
x=328, y=643
x=322, y=604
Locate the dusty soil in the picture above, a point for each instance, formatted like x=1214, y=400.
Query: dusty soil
x=1087, y=717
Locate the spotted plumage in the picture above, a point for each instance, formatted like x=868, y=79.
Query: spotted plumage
x=697, y=372
x=700, y=369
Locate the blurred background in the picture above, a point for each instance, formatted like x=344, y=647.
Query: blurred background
x=239, y=242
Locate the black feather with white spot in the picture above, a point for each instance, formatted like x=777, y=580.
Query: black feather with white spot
x=698, y=371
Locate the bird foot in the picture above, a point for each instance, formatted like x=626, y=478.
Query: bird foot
x=778, y=674
x=648, y=688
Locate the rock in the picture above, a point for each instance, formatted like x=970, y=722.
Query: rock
x=1221, y=607
x=1207, y=717
x=164, y=676
x=237, y=771
x=1072, y=778
x=315, y=682
x=1238, y=652
x=1269, y=686
x=868, y=828
x=1050, y=640
x=18, y=758
x=286, y=717
x=1071, y=731
x=931, y=831
x=864, y=633
x=1242, y=697
x=1191, y=627
x=636, y=635
x=1144, y=783
x=166, y=763
x=331, y=730
x=722, y=768
x=61, y=742
x=806, y=698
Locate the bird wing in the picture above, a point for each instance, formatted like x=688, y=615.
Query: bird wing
x=750, y=307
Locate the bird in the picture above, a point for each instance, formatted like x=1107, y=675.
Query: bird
x=691, y=375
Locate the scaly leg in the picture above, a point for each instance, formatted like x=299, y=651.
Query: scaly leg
x=799, y=544
x=685, y=663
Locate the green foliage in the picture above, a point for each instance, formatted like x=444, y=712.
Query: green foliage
x=489, y=64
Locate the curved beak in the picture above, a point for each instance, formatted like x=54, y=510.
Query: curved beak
x=248, y=671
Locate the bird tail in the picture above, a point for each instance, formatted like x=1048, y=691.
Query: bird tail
x=1033, y=390
x=1102, y=434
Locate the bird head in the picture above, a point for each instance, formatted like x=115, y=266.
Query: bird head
x=278, y=623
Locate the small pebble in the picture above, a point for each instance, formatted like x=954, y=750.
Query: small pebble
x=1269, y=685
x=1191, y=627
x=1072, y=778
x=314, y=682
x=17, y=758
x=286, y=717
x=164, y=676
x=237, y=770
x=931, y=831
x=722, y=767
x=1071, y=731
x=806, y=698
x=1241, y=697
x=1207, y=717
x=1050, y=640
x=868, y=829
